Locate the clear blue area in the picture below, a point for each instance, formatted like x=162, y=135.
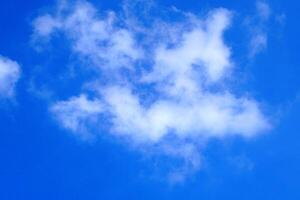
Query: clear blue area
x=39, y=160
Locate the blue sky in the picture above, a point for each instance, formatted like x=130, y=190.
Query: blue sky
x=149, y=100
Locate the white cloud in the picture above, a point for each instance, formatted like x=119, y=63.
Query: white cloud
x=75, y=113
x=170, y=69
x=45, y=25
x=263, y=10
x=259, y=34
x=200, y=115
x=258, y=43
x=97, y=38
x=9, y=75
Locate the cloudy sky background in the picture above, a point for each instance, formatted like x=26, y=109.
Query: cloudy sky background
x=146, y=99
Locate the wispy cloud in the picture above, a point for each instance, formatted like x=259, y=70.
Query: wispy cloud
x=9, y=75
x=75, y=113
x=257, y=26
x=155, y=79
x=263, y=10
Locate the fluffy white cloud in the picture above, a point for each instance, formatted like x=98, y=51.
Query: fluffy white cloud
x=9, y=75
x=200, y=115
x=92, y=37
x=161, y=80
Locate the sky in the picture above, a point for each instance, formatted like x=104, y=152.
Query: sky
x=136, y=99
